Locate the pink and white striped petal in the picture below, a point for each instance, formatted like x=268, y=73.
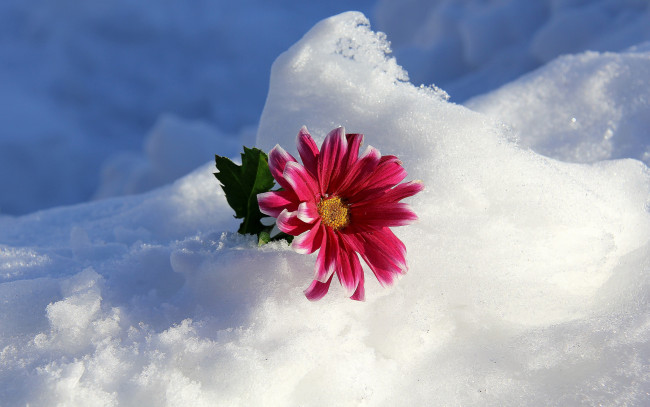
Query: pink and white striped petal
x=354, y=143
x=308, y=212
x=355, y=179
x=332, y=152
x=317, y=290
x=346, y=163
x=308, y=151
x=388, y=173
x=360, y=292
x=396, y=194
x=390, y=247
x=383, y=252
x=385, y=275
x=405, y=190
x=328, y=255
x=309, y=241
x=274, y=202
x=372, y=215
x=349, y=271
x=289, y=223
x=301, y=182
x=278, y=159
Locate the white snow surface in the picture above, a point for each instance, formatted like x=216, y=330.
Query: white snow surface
x=528, y=281
x=583, y=108
x=472, y=46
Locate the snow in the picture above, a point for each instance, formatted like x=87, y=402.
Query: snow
x=83, y=83
x=583, y=108
x=528, y=280
x=171, y=149
x=471, y=47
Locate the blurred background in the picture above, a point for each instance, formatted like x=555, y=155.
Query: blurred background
x=101, y=99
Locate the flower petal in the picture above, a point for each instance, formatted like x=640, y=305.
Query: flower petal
x=327, y=261
x=385, y=275
x=289, y=223
x=383, y=252
x=309, y=241
x=329, y=160
x=388, y=173
x=403, y=190
x=278, y=158
x=354, y=143
x=274, y=202
x=300, y=181
x=392, y=195
x=308, y=212
x=360, y=293
x=373, y=214
x=308, y=151
x=390, y=246
x=354, y=179
x=317, y=290
x=349, y=272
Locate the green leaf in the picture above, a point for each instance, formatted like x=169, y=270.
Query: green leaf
x=242, y=183
x=264, y=238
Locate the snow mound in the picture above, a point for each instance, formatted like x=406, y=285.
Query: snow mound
x=528, y=276
x=582, y=108
x=172, y=149
x=474, y=46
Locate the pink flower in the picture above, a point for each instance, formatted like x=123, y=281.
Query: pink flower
x=342, y=204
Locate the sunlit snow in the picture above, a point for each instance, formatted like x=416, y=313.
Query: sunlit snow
x=528, y=282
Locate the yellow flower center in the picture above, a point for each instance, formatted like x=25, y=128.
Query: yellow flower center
x=333, y=212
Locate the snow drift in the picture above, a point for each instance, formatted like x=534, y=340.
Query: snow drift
x=528, y=281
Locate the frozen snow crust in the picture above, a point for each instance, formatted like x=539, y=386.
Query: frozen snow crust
x=528, y=281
